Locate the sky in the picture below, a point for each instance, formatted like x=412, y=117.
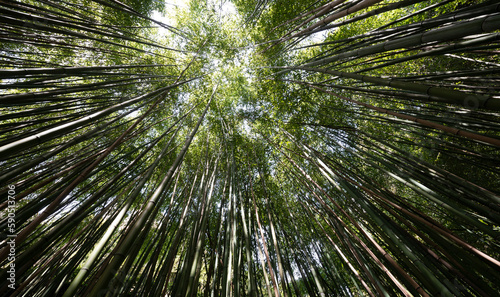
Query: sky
x=227, y=8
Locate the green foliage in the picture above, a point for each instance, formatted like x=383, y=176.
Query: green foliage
x=242, y=166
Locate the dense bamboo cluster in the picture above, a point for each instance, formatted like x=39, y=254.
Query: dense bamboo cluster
x=135, y=161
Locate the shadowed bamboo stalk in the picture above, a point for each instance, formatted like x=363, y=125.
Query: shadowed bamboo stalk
x=388, y=188
x=121, y=253
x=451, y=130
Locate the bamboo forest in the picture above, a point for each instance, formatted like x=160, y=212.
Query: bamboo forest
x=249, y=148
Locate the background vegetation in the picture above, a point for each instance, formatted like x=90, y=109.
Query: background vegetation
x=250, y=148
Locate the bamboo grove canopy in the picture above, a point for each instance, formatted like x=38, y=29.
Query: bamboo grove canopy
x=249, y=148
